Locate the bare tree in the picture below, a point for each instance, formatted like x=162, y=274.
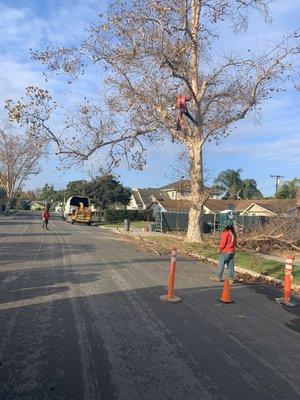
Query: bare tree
x=19, y=158
x=151, y=51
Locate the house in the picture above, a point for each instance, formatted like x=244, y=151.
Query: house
x=212, y=206
x=168, y=205
x=174, y=197
x=179, y=190
x=141, y=198
x=270, y=207
x=37, y=206
x=260, y=207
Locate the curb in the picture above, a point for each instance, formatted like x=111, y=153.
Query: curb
x=244, y=272
x=260, y=277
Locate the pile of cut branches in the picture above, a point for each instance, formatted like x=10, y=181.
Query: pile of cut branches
x=279, y=234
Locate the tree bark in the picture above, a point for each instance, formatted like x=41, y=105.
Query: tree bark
x=198, y=195
x=7, y=206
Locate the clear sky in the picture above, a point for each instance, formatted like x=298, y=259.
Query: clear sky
x=268, y=146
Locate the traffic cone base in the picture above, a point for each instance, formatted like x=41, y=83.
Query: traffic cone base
x=166, y=299
x=226, y=302
x=281, y=300
x=225, y=297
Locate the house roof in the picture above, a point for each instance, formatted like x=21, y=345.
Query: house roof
x=174, y=205
x=137, y=198
x=214, y=205
x=274, y=205
x=185, y=185
x=142, y=196
x=184, y=205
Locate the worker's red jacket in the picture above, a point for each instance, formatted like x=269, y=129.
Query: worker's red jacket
x=45, y=215
x=181, y=100
x=227, y=242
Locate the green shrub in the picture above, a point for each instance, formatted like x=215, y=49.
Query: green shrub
x=120, y=215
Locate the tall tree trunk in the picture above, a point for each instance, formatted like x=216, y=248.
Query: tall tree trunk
x=198, y=195
x=9, y=194
x=7, y=206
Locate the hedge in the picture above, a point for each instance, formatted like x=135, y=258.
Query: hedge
x=120, y=215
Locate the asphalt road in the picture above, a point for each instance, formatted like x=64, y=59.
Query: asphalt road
x=80, y=319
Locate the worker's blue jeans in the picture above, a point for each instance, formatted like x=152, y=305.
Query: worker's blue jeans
x=226, y=258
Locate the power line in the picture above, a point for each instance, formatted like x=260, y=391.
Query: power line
x=277, y=181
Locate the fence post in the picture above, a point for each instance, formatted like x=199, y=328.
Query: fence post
x=170, y=298
x=288, y=278
x=214, y=224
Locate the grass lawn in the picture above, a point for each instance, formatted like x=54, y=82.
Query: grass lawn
x=296, y=275
x=243, y=259
x=133, y=224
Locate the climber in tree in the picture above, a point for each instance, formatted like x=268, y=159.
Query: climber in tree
x=181, y=101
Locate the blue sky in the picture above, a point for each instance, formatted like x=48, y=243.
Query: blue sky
x=268, y=146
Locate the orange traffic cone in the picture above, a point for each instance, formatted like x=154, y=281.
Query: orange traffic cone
x=225, y=297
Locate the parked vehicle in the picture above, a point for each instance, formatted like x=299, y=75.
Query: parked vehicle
x=59, y=208
x=77, y=209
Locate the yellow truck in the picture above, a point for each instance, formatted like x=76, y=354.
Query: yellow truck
x=77, y=209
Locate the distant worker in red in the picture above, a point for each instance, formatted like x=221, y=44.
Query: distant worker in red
x=45, y=218
x=227, y=251
x=181, y=101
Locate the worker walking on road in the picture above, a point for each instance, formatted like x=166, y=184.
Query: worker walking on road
x=227, y=250
x=45, y=218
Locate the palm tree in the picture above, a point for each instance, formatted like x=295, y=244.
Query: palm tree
x=234, y=187
x=230, y=183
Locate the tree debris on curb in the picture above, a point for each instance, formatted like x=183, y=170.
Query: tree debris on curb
x=279, y=236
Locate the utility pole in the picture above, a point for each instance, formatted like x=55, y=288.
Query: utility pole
x=277, y=181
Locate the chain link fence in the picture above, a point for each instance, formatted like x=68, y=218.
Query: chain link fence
x=178, y=222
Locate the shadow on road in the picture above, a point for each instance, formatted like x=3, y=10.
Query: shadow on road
x=17, y=222
x=21, y=284
x=34, y=234
x=271, y=293
x=37, y=251
x=130, y=342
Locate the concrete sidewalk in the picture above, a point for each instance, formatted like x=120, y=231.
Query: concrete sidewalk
x=274, y=258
